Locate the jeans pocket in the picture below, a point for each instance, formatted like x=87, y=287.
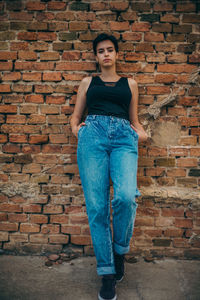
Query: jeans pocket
x=80, y=130
x=134, y=132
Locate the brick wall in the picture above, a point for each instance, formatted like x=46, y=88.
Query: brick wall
x=45, y=50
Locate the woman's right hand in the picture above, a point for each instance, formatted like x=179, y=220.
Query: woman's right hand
x=76, y=129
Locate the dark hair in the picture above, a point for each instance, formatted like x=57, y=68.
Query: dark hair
x=102, y=37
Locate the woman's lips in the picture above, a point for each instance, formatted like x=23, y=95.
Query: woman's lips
x=106, y=59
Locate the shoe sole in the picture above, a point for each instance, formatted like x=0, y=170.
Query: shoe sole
x=119, y=279
x=100, y=298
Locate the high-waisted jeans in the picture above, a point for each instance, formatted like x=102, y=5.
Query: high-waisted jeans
x=108, y=147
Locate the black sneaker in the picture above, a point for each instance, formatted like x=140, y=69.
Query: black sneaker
x=107, y=291
x=119, y=266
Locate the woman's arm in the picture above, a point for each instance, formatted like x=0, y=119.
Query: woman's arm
x=80, y=106
x=133, y=111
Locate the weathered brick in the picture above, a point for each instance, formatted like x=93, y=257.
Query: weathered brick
x=183, y=223
x=32, y=5
x=71, y=229
x=161, y=242
x=26, y=227
x=80, y=240
x=55, y=5
x=52, y=76
x=7, y=226
x=38, y=238
x=3, y=236
x=9, y=207
x=79, y=6
x=59, y=239
x=32, y=208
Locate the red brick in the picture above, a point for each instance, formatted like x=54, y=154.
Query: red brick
x=27, y=36
x=36, y=119
x=183, y=223
x=26, y=227
x=80, y=240
x=69, y=229
x=78, y=219
x=14, y=76
x=71, y=55
x=181, y=243
x=47, y=36
x=76, y=66
x=32, y=5
x=172, y=212
x=147, y=221
x=153, y=232
x=50, y=228
x=22, y=218
x=17, y=138
x=58, y=138
x=146, y=211
x=19, y=45
x=32, y=208
x=38, y=238
x=173, y=232
x=175, y=68
x=34, y=99
x=55, y=99
x=3, y=217
x=59, y=239
x=49, y=109
x=185, y=7
x=54, y=209
x=43, y=89
x=119, y=26
x=52, y=76
x=153, y=37
x=11, y=149
x=3, y=138
x=38, y=66
x=186, y=162
x=163, y=7
x=10, y=207
x=22, y=88
x=5, y=226
x=5, y=88
x=27, y=55
x=50, y=56
x=8, y=109
x=55, y=5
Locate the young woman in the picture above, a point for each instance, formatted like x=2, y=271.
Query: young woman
x=108, y=147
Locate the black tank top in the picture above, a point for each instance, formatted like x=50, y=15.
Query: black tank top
x=106, y=98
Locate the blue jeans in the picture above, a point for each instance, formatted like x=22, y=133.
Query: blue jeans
x=108, y=147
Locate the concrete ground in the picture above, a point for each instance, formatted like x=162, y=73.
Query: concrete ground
x=27, y=278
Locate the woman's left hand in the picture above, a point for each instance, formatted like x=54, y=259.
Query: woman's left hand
x=141, y=133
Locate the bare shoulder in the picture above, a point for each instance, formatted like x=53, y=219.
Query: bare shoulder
x=132, y=82
x=85, y=82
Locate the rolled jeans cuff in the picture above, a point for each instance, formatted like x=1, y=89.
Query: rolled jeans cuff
x=120, y=249
x=106, y=270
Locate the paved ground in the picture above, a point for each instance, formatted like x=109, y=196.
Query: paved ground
x=27, y=278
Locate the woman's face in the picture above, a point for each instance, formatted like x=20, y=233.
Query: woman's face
x=106, y=54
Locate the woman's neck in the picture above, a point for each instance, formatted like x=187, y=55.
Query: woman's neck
x=109, y=76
